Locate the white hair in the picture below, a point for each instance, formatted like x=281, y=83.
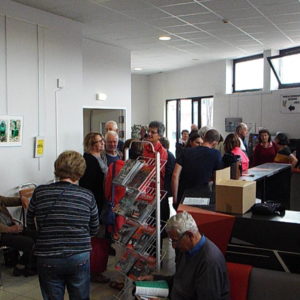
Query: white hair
x=202, y=131
x=112, y=133
x=181, y=223
x=113, y=123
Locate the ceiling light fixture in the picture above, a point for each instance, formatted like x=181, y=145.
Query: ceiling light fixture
x=137, y=69
x=164, y=38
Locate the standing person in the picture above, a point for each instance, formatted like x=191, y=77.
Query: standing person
x=194, y=128
x=182, y=142
x=111, y=151
x=201, y=271
x=155, y=132
x=265, y=151
x=66, y=216
x=113, y=126
x=195, y=169
x=93, y=180
x=284, y=154
x=232, y=146
x=194, y=140
x=96, y=167
x=242, y=131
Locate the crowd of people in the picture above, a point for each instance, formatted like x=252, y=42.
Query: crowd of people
x=63, y=216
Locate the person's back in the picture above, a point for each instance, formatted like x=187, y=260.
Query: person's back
x=198, y=165
x=63, y=210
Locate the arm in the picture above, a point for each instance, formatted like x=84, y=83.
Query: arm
x=31, y=213
x=175, y=181
x=94, y=219
x=293, y=160
x=10, y=201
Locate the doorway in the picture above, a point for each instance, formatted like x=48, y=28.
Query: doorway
x=94, y=119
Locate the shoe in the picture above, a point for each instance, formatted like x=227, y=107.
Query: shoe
x=116, y=285
x=29, y=272
x=100, y=278
x=18, y=272
x=111, y=251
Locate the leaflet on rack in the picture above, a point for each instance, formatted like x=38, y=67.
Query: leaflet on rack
x=126, y=232
x=143, y=266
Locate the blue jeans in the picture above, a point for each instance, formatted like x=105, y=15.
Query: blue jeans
x=71, y=271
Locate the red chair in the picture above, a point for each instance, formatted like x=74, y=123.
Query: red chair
x=216, y=226
x=239, y=276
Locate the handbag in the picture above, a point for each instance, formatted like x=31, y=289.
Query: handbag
x=108, y=216
x=268, y=209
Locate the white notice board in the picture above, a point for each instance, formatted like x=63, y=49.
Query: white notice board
x=290, y=104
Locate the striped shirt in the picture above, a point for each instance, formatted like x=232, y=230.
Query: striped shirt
x=66, y=216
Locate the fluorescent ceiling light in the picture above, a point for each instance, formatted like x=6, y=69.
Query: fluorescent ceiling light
x=137, y=69
x=164, y=38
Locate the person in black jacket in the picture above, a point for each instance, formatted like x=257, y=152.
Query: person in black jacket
x=96, y=167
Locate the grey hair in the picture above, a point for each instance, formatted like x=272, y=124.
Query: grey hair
x=159, y=126
x=202, y=131
x=113, y=133
x=240, y=127
x=114, y=123
x=181, y=223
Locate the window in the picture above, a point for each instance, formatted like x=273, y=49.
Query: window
x=248, y=73
x=286, y=67
x=182, y=113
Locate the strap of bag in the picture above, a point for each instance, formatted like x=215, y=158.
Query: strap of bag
x=113, y=185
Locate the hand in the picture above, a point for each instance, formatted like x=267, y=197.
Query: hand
x=25, y=202
x=145, y=278
x=15, y=228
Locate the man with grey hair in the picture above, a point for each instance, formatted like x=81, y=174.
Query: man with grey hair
x=113, y=126
x=242, y=131
x=111, y=151
x=201, y=271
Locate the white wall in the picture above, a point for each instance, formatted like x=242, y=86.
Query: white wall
x=204, y=80
x=106, y=69
x=261, y=108
x=139, y=99
x=36, y=48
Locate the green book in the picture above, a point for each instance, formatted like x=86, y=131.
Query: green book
x=158, y=288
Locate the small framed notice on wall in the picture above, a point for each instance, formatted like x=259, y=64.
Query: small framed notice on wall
x=39, y=146
x=11, y=128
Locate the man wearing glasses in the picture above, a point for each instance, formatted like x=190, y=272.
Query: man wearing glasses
x=200, y=266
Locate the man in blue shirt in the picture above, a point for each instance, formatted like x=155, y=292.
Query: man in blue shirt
x=201, y=271
x=195, y=167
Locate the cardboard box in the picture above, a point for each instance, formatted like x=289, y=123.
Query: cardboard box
x=233, y=196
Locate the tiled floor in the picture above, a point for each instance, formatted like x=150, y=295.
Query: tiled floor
x=27, y=288
x=22, y=288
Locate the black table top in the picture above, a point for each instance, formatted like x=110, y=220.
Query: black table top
x=264, y=170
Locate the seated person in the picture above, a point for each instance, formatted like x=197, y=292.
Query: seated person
x=201, y=271
x=232, y=145
x=284, y=154
x=12, y=235
x=265, y=151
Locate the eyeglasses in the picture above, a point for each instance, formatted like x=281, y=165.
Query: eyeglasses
x=99, y=141
x=178, y=240
x=152, y=132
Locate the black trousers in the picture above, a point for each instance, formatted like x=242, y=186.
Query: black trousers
x=22, y=242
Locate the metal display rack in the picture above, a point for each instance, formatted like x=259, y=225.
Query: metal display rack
x=153, y=244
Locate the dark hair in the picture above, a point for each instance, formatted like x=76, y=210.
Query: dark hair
x=264, y=131
x=211, y=136
x=282, y=139
x=159, y=126
x=184, y=130
x=192, y=137
x=135, y=150
x=231, y=141
x=165, y=142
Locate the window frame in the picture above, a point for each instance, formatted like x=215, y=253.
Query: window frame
x=284, y=53
x=178, y=113
x=239, y=60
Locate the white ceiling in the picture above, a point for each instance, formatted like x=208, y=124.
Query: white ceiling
x=197, y=27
